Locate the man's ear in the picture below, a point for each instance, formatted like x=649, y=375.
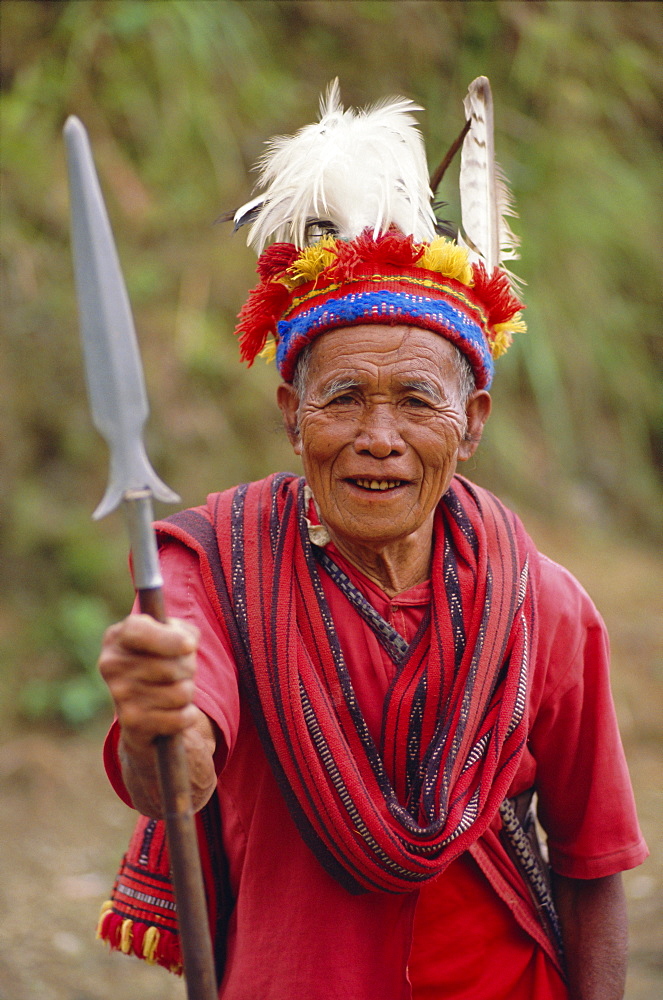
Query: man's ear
x=477, y=410
x=288, y=401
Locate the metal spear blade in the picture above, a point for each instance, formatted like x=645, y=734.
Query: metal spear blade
x=114, y=373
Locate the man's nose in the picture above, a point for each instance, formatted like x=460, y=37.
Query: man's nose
x=379, y=434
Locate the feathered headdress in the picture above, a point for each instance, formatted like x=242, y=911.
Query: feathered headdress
x=348, y=203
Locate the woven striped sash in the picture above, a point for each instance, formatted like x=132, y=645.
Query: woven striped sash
x=382, y=817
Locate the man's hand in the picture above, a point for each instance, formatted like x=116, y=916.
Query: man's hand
x=149, y=668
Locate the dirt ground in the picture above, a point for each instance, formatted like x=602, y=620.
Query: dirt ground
x=62, y=830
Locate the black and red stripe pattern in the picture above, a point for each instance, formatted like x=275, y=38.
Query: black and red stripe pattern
x=141, y=916
x=392, y=816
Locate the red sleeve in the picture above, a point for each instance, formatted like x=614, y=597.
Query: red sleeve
x=586, y=803
x=217, y=692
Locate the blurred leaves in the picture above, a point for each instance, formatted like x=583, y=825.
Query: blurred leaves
x=76, y=693
x=178, y=98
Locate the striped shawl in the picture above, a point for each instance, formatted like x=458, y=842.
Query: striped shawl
x=384, y=817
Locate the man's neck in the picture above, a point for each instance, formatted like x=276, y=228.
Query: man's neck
x=395, y=567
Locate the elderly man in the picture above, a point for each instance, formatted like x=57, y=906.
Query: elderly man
x=372, y=666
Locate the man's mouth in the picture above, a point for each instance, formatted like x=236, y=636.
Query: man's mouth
x=378, y=484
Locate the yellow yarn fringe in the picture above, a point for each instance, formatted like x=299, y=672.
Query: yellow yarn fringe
x=448, y=259
x=287, y=280
x=268, y=352
x=150, y=944
x=126, y=936
x=312, y=261
x=516, y=324
x=504, y=332
x=105, y=907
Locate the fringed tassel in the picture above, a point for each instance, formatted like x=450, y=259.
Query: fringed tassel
x=503, y=307
x=258, y=318
x=263, y=308
x=144, y=940
x=447, y=259
x=283, y=268
x=390, y=248
x=495, y=293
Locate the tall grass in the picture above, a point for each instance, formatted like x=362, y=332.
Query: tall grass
x=178, y=98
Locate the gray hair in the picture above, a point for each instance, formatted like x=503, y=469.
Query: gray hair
x=467, y=383
x=302, y=368
x=462, y=368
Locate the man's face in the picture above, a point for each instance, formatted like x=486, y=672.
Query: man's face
x=380, y=429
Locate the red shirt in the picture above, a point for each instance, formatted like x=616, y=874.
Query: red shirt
x=295, y=932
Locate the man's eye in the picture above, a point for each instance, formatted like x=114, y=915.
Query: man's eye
x=342, y=400
x=417, y=402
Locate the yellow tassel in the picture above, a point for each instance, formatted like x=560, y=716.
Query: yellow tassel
x=268, y=352
x=447, y=259
x=504, y=332
x=105, y=907
x=126, y=936
x=150, y=945
x=500, y=343
x=312, y=260
x=287, y=280
x=515, y=325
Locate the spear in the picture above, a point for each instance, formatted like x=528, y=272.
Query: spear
x=118, y=403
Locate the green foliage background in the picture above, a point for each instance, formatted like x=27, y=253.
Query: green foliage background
x=178, y=97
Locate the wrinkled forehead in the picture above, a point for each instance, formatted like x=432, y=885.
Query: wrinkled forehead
x=370, y=353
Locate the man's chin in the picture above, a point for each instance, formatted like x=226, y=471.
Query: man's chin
x=376, y=529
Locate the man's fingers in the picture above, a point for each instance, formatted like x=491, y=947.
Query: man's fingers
x=146, y=669
x=159, y=687
x=149, y=667
x=143, y=634
x=149, y=662
x=142, y=723
x=131, y=674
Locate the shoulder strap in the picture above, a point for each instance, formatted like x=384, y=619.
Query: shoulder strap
x=521, y=841
x=391, y=640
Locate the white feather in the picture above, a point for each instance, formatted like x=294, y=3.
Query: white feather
x=352, y=169
x=484, y=195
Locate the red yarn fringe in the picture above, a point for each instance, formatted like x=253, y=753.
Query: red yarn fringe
x=495, y=294
x=258, y=318
x=266, y=303
x=276, y=259
x=389, y=248
x=167, y=952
